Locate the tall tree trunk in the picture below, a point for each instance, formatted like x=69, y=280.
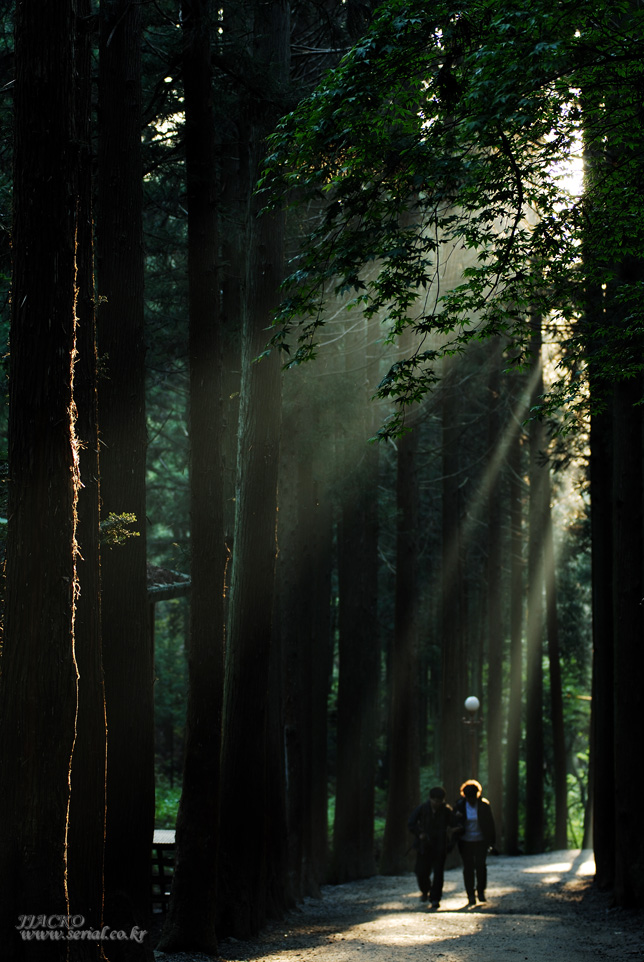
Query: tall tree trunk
x=511, y=808
x=322, y=652
x=534, y=827
x=602, y=739
x=628, y=632
x=371, y=639
x=248, y=804
x=494, y=715
x=127, y=649
x=38, y=683
x=295, y=578
x=455, y=760
x=303, y=600
x=191, y=918
x=353, y=839
x=244, y=815
x=556, y=693
x=602, y=724
x=404, y=748
x=234, y=191
x=87, y=807
x=311, y=612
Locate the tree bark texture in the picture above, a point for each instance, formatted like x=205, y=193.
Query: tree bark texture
x=39, y=680
x=294, y=582
x=353, y=840
x=602, y=736
x=455, y=757
x=534, y=746
x=87, y=806
x=190, y=924
x=494, y=713
x=303, y=598
x=556, y=693
x=306, y=561
x=404, y=748
x=322, y=653
x=249, y=799
x=628, y=634
x=244, y=816
x=517, y=593
x=127, y=646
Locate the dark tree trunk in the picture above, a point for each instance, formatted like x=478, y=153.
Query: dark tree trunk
x=602, y=759
x=521, y=402
x=534, y=827
x=244, y=815
x=294, y=582
x=404, y=747
x=38, y=686
x=234, y=191
x=628, y=632
x=309, y=615
x=455, y=760
x=191, y=917
x=353, y=838
x=601, y=776
x=252, y=804
x=87, y=805
x=494, y=714
x=127, y=649
x=511, y=809
x=303, y=600
x=556, y=693
x=371, y=640
x=279, y=895
x=308, y=881
x=322, y=651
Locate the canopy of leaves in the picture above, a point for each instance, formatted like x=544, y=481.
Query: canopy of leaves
x=451, y=126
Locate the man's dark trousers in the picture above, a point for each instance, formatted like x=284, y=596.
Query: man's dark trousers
x=430, y=871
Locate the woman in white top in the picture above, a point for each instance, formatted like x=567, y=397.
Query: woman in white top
x=476, y=833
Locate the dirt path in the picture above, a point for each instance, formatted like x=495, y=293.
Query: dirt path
x=540, y=908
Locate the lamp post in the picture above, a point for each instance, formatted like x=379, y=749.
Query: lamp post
x=472, y=705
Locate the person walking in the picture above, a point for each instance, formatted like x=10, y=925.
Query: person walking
x=430, y=823
x=476, y=832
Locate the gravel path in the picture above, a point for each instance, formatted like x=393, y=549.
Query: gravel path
x=540, y=908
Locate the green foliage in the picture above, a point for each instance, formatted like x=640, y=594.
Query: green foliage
x=171, y=686
x=380, y=813
x=167, y=799
x=447, y=128
x=166, y=307
x=115, y=529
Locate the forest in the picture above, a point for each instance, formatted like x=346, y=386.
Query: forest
x=323, y=327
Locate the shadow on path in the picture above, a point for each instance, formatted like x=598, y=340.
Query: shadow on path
x=540, y=908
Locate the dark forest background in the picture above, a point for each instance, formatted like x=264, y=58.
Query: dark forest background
x=227, y=608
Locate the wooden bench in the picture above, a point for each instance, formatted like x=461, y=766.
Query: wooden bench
x=162, y=868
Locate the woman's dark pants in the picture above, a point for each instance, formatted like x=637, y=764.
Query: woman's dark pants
x=474, y=855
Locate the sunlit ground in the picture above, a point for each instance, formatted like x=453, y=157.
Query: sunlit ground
x=579, y=864
x=382, y=919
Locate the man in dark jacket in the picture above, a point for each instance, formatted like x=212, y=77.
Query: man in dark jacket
x=476, y=832
x=430, y=823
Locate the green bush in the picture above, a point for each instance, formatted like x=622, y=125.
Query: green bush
x=166, y=802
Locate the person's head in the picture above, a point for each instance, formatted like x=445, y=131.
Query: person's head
x=471, y=790
x=437, y=797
